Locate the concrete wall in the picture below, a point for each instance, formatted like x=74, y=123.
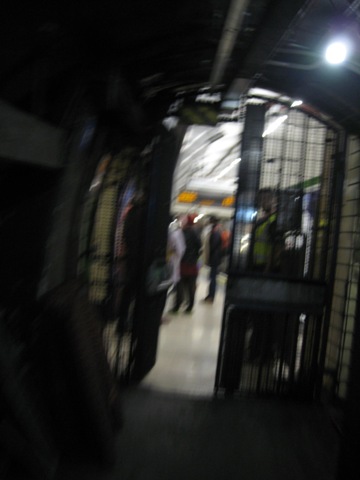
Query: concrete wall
x=32, y=154
x=27, y=139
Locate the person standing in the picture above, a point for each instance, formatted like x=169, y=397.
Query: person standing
x=213, y=256
x=175, y=250
x=262, y=252
x=188, y=267
x=272, y=334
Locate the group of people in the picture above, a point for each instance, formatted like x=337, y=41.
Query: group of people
x=185, y=247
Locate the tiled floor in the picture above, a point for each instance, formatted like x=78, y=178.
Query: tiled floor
x=188, y=345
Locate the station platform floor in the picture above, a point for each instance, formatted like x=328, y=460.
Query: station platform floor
x=188, y=344
x=175, y=436
x=176, y=429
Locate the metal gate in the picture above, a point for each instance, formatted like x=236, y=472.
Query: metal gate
x=270, y=348
x=282, y=254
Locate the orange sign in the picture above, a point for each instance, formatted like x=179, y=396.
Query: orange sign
x=200, y=199
x=187, y=197
x=228, y=201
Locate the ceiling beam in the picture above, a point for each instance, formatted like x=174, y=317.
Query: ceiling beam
x=279, y=20
x=230, y=32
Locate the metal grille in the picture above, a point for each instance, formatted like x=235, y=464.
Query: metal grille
x=268, y=353
x=282, y=255
x=292, y=178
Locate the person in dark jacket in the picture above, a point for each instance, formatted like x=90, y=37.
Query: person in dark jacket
x=188, y=267
x=213, y=257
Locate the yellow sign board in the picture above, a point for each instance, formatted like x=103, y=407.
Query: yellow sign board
x=200, y=199
x=228, y=201
x=187, y=197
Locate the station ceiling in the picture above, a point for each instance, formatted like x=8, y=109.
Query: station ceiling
x=127, y=61
x=133, y=57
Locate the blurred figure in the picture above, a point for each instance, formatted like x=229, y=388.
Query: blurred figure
x=213, y=256
x=225, y=248
x=188, y=266
x=262, y=256
x=272, y=334
x=175, y=250
x=261, y=253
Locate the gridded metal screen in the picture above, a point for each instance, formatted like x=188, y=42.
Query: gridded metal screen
x=282, y=254
x=283, y=207
x=109, y=253
x=267, y=353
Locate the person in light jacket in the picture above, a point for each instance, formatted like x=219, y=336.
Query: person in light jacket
x=188, y=267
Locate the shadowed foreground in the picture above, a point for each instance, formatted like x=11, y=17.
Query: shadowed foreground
x=178, y=437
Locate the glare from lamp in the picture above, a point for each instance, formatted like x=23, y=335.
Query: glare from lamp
x=296, y=103
x=274, y=125
x=336, y=52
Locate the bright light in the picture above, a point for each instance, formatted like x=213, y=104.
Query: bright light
x=196, y=219
x=296, y=103
x=336, y=53
x=276, y=124
x=244, y=247
x=226, y=169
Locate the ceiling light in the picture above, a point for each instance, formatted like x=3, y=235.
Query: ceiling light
x=296, y=103
x=190, y=143
x=336, y=52
x=226, y=169
x=274, y=125
x=186, y=159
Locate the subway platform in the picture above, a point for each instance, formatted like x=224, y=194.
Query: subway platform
x=176, y=429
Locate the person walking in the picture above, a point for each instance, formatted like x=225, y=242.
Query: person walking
x=213, y=255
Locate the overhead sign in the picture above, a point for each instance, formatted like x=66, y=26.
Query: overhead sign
x=201, y=108
x=199, y=198
x=228, y=201
x=187, y=197
x=199, y=114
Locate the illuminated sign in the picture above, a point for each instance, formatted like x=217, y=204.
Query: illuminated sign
x=206, y=199
x=228, y=201
x=208, y=97
x=187, y=197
